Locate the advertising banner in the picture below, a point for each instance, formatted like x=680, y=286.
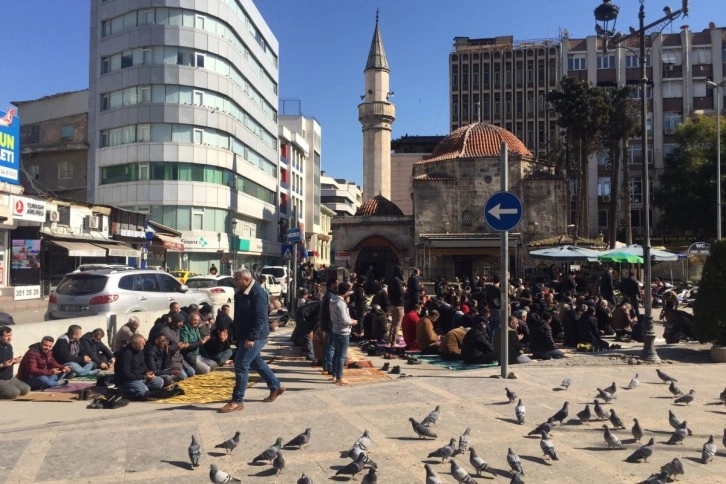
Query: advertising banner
x=9, y=147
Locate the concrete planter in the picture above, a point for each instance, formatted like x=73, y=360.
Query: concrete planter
x=718, y=354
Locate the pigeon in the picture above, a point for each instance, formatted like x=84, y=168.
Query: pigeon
x=218, y=476
x=643, y=452
x=514, y=462
x=709, y=450
x=364, y=441
x=354, y=452
x=445, y=452
x=615, y=420
x=611, y=389
x=547, y=447
x=637, y=431
x=673, y=388
x=562, y=414
x=278, y=463
x=478, y=463
x=687, y=398
x=432, y=417
x=660, y=478
x=431, y=476
x=675, y=422
x=607, y=396
x=599, y=411
x=673, y=468
x=269, y=453
x=517, y=479
x=230, y=444
x=679, y=434
x=301, y=440
x=460, y=473
x=724, y=437
x=371, y=477
x=354, y=468
x=421, y=430
x=464, y=442
x=611, y=439
x=722, y=396
x=633, y=382
x=195, y=452
x=304, y=479
x=510, y=394
x=550, y=423
x=585, y=415
x=520, y=411
x=664, y=378
x=566, y=383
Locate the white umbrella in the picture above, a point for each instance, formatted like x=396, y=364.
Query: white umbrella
x=565, y=253
x=656, y=254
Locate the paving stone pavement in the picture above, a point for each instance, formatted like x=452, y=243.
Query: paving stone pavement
x=65, y=442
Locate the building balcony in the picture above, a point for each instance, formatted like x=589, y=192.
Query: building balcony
x=376, y=110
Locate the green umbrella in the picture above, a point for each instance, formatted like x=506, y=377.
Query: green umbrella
x=621, y=257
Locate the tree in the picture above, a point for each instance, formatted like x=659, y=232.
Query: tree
x=690, y=169
x=708, y=318
x=581, y=110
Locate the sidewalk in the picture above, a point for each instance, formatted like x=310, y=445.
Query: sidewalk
x=65, y=442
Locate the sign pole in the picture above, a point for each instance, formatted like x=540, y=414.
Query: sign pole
x=504, y=282
x=292, y=298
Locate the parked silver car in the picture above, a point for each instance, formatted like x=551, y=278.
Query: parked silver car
x=107, y=291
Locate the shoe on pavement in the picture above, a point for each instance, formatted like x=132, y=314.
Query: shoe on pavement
x=274, y=394
x=232, y=407
x=386, y=366
x=396, y=370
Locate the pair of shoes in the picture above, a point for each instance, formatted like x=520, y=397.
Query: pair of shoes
x=390, y=356
x=274, y=394
x=386, y=366
x=355, y=364
x=63, y=382
x=396, y=370
x=232, y=407
x=413, y=361
x=96, y=403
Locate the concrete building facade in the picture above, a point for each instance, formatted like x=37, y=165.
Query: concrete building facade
x=341, y=196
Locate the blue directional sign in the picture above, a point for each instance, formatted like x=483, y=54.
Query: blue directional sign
x=503, y=211
x=286, y=251
x=294, y=235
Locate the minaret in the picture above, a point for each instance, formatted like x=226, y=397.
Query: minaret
x=376, y=115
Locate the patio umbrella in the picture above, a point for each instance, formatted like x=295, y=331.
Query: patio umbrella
x=656, y=254
x=565, y=253
x=621, y=257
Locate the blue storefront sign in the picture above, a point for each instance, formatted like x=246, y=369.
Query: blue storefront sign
x=9, y=147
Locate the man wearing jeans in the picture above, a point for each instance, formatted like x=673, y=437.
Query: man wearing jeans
x=39, y=369
x=10, y=388
x=67, y=350
x=327, y=327
x=397, y=296
x=251, y=328
x=131, y=375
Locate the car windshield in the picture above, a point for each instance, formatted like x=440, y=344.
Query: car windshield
x=275, y=271
x=200, y=283
x=81, y=284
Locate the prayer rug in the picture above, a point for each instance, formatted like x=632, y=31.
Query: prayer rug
x=47, y=397
x=214, y=387
x=72, y=387
x=366, y=374
x=456, y=365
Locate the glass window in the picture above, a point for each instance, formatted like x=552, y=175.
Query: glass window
x=200, y=60
x=66, y=132
x=143, y=171
x=197, y=218
x=701, y=55
x=603, y=186
x=602, y=218
x=146, y=17
x=160, y=133
x=145, y=94
x=168, y=283
x=673, y=89
x=576, y=62
x=127, y=59
x=605, y=61
x=65, y=169
x=181, y=133
x=198, y=136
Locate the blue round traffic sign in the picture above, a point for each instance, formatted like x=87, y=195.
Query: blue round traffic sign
x=503, y=211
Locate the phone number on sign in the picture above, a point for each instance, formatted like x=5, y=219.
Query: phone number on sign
x=27, y=292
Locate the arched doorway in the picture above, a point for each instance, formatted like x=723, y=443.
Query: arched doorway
x=379, y=253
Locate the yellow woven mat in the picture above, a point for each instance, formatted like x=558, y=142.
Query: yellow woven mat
x=361, y=375
x=214, y=387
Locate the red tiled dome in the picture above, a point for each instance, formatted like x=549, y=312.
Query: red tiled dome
x=378, y=206
x=478, y=140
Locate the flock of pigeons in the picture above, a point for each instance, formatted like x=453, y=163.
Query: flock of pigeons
x=360, y=460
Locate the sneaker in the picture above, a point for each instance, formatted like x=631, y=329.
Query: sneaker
x=396, y=370
x=63, y=382
x=414, y=361
x=386, y=366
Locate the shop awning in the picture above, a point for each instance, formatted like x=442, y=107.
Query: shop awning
x=119, y=250
x=170, y=243
x=79, y=249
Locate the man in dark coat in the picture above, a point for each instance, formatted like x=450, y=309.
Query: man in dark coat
x=541, y=342
x=476, y=348
x=158, y=359
x=10, y=387
x=631, y=288
x=67, y=351
x=397, y=297
x=607, y=288
x=587, y=330
x=93, y=346
x=413, y=289
x=131, y=375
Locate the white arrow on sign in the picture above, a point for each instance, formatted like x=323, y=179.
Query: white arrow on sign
x=497, y=211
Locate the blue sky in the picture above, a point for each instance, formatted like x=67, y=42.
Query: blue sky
x=323, y=49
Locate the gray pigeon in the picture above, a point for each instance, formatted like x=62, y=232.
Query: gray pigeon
x=304, y=479
x=611, y=389
x=354, y=468
x=355, y=451
x=432, y=417
x=195, y=452
x=547, y=447
x=478, y=463
x=679, y=434
x=421, y=430
x=612, y=440
x=301, y=440
x=445, y=452
x=585, y=415
x=643, y=452
x=460, y=473
x=724, y=438
x=269, y=453
x=229, y=444
x=278, y=463
x=371, y=477
x=664, y=378
x=660, y=478
x=675, y=422
x=520, y=412
x=600, y=411
x=607, y=396
x=709, y=450
x=673, y=388
x=517, y=479
x=615, y=420
x=464, y=442
x=561, y=414
x=722, y=396
x=510, y=394
x=673, y=468
x=364, y=441
x=431, y=476
x=637, y=430
x=218, y=476
x=687, y=398
x=514, y=462
x=550, y=423
x=634, y=382
x=566, y=383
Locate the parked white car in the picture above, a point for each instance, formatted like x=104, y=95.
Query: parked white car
x=271, y=285
x=281, y=275
x=219, y=288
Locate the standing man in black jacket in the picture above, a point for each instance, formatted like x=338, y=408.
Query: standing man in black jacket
x=607, y=288
x=326, y=326
x=413, y=289
x=396, y=296
x=631, y=287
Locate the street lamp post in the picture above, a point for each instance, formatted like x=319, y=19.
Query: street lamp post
x=608, y=12
x=719, y=105
x=234, y=245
